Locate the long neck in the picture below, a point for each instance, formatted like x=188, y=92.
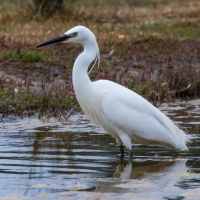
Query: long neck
x=81, y=80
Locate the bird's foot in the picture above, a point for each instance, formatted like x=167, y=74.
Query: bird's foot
x=121, y=160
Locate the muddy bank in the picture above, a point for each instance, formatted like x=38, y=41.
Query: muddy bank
x=78, y=122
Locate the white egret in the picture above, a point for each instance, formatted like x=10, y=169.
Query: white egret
x=122, y=113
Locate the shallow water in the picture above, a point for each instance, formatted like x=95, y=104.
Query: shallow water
x=75, y=160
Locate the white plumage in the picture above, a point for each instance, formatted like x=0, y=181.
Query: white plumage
x=127, y=116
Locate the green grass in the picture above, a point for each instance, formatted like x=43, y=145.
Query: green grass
x=142, y=88
x=23, y=56
x=54, y=102
x=156, y=26
x=4, y=29
x=186, y=30
x=2, y=94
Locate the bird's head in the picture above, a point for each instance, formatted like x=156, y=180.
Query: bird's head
x=78, y=34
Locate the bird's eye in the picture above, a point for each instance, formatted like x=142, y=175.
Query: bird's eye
x=75, y=34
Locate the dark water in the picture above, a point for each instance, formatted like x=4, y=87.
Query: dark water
x=75, y=160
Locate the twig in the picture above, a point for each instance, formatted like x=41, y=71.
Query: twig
x=39, y=11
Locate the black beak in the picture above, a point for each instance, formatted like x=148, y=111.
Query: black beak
x=58, y=39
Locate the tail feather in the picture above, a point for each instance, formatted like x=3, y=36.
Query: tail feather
x=178, y=138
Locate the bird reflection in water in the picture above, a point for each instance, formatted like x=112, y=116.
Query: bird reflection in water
x=137, y=175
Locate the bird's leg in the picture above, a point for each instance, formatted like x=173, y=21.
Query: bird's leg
x=121, y=160
x=122, y=150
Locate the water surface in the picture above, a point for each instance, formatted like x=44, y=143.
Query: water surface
x=74, y=159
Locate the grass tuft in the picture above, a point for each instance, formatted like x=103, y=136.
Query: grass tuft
x=23, y=56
